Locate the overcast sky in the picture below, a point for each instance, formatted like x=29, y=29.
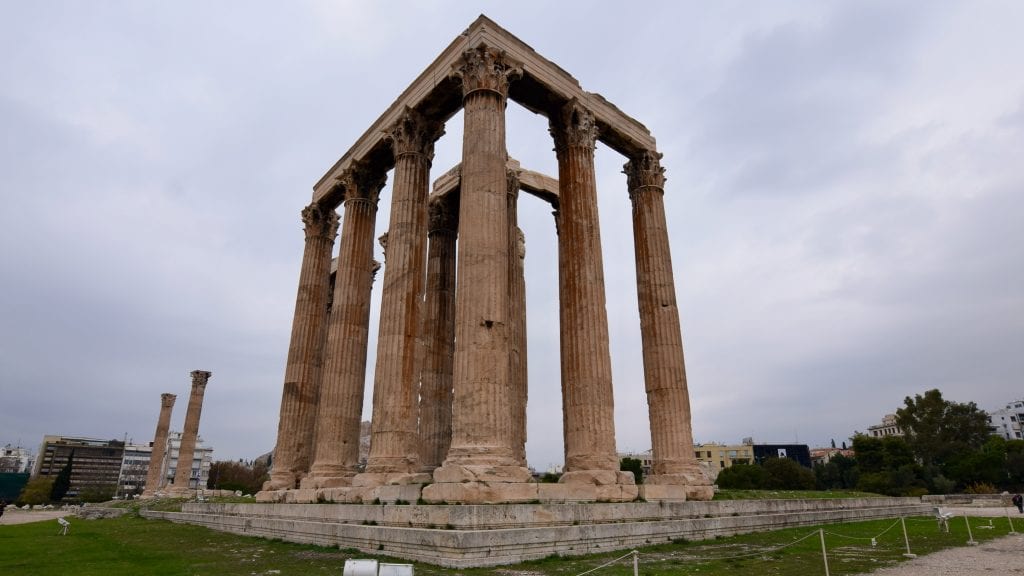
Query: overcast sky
x=845, y=197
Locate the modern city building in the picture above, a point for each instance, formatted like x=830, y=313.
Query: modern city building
x=15, y=459
x=1006, y=422
x=888, y=427
x=95, y=463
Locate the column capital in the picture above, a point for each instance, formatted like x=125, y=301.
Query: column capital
x=199, y=377
x=414, y=133
x=485, y=68
x=644, y=171
x=444, y=216
x=167, y=400
x=573, y=126
x=512, y=182
x=362, y=183
x=319, y=221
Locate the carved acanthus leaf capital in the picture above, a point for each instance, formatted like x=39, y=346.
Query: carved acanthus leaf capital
x=199, y=378
x=645, y=170
x=574, y=126
x=485, y=68
x=319, y=222
x=360, y=182
x=414, y=133
x=444, y=215
x=167, y=400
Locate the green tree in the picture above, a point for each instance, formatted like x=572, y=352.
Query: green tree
x=37, y=491
x=839, y=473
x=62, y=483
x=938, y=430
x=743, y=477
x=231, y=475
x=635, y=466
x=786, y=474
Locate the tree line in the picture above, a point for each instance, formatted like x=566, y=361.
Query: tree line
x=946, y=447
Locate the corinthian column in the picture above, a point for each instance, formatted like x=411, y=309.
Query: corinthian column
x=340, y=404
x=394, y=453
x=588, y=405
x=293, y=450
x=188, y=436
x=438, y=334
x=668, y=400
x=482, y=444
x=154, y=478
x=517, y=323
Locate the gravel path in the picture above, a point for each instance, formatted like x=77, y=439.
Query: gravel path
x=12, y=516
x=1000, y=557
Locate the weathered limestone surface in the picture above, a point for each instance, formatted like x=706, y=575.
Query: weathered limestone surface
x=469, y=536
x=668, y=399
x=295, y=428
x=190, y=432
x=154, y=476
x=481, y=448
x=393, y=447
x=340, y=403
x=438, y=334
x=586, y=362
x=517, y=323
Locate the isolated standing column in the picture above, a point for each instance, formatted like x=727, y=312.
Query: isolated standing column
x=154, y=476
x=188, y=436
x=588, y=404
x=293, y=451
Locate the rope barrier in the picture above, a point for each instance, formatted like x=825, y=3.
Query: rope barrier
x=609, y=563
x=871, y=538
x=750, y=554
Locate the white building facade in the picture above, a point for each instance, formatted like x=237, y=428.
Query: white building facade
x=1006, y=422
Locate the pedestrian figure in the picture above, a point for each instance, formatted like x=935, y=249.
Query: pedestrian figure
x=1018, y=501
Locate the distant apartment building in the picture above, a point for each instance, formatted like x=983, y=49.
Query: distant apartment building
x=15, y=460
x=134, y=468
x=645, y=458
x=888, y=427
x=721, y=456
x=1007, y=422
x=202, y=459
x=95, y=463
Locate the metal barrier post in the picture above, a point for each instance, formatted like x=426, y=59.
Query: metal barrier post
x=970, y=536
x=824, y=554
x=905, y=539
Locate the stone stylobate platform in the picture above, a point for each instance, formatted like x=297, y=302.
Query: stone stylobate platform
x=450, y=384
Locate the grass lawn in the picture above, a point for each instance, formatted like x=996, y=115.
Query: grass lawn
x=133, y=545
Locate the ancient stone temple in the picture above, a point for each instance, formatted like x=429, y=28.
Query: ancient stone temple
x=450, y=389
x=154, y=478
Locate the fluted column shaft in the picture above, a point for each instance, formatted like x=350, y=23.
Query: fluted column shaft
x=480, y=435
x=438, y=336
x=154, y=476
x=394, y=434
x=293, y=450
x=668, y=399
x=586, y=362
x=188, y=436
x=340, y=405
x=517, y=323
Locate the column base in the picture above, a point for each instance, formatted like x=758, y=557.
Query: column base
x=283, y=481
x=375, y=479
x=597, y=477
x=314, y=482
x=481, y=493
x=695, y=483
x=458, y=473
